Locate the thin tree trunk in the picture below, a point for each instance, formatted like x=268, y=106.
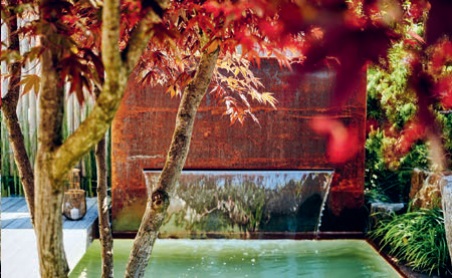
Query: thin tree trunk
x=106, y=238
x=158, y=201
x=9, y=105
x=447, y=211
x=49, y=232
x=48, y=187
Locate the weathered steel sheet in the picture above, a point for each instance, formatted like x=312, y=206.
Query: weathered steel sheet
x=282, y=140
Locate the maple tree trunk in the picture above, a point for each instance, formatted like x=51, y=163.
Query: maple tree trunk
x=49, y=233
x=48, y=186
x=9, y=106
x=105, y=234
x=158, y=201
x=447, y=211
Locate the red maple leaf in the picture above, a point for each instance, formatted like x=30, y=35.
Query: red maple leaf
x=442, y=55
x=343, y=143
x=412, y=132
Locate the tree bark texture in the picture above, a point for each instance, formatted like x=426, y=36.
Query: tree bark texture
x=48, y=187
x=9, y=106
x=49, y=232
x=158, y=201
x=447, y=210
x=105, y=234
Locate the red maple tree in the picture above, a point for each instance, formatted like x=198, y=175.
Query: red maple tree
x=186, y=44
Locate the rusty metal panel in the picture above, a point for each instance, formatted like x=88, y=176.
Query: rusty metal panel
x=282, y=140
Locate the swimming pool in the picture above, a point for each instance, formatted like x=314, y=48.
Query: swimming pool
x=247, y=258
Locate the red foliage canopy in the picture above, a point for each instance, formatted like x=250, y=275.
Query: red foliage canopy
x=344, y=35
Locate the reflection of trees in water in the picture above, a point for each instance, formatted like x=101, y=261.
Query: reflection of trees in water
x=210, y=207
x=217, y=204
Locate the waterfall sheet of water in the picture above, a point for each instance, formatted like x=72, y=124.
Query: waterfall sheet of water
x=228, y=202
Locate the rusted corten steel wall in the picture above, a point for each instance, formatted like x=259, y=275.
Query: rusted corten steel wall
x=283, y=140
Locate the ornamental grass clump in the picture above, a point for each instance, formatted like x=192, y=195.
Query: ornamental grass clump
x=416, y=239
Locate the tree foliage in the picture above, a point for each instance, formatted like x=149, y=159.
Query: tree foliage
x=396, y=141
x=89, y=44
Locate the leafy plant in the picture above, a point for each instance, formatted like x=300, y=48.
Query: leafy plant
x=391, y=106
x=375, y=195
x=417, y=239
x=385, y=177
x=388, y=90
x=395, y=145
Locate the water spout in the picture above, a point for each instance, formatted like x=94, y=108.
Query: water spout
x=322, y=206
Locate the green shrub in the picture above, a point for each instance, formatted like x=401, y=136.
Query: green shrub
x=391, y=105
x=393, y=181
x=417, y=239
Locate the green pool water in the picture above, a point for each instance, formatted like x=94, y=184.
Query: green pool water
x=247, y=258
